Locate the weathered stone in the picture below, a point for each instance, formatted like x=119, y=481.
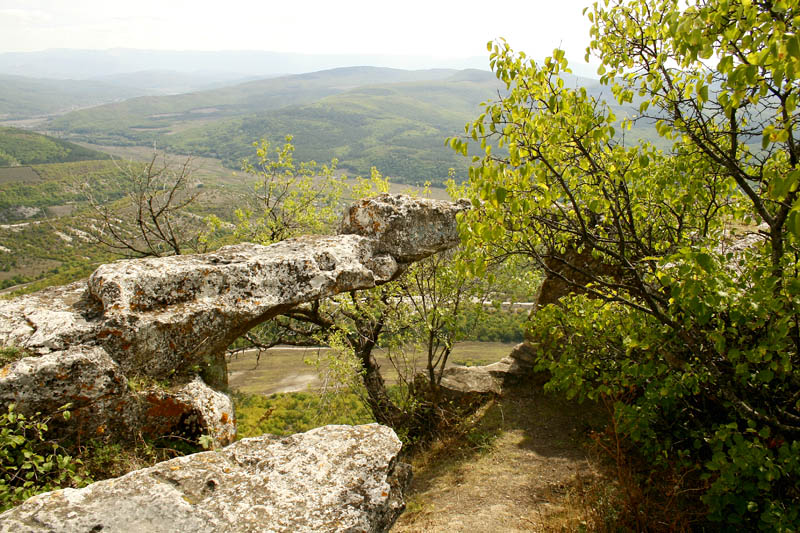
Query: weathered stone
x=524, y=354
x=50, y=320
x=163, y=315
x=84, y=377
x=90, y=382
x=483, y=379
x=190, y=412
x=334, y=478
x=406, y=228
x=81, y=376
x=460, y=381
x=172, y=318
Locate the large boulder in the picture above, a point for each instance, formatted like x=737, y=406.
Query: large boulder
x=404, y=227
x=334, y=478
x=466, y=382
x=189, y=412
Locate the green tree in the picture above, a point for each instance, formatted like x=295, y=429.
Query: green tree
x=288, y=198
x=695, y=344
x=423, y=304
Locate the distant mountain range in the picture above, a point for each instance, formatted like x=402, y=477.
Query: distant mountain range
x=185, y=102
x=396, y=120
x=219, y=65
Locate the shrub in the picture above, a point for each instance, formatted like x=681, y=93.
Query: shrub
x=30, y=463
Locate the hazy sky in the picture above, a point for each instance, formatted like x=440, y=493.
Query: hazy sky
x=405, y=27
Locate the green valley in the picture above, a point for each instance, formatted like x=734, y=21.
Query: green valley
x=394, y=120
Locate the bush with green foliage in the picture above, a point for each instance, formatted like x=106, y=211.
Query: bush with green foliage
x=30, y=463
x=493, y=325
x=695, y=343
x=295, y=412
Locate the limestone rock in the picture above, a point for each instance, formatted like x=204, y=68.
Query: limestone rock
x=50, y=320
x=166, y=314
x=84, y=377
x=484, y=379
x=524, y=354
x=406, y=228
x=172, y=318
x=458, y=381
x=100, y=401
x=334, y=478
x=162, y=316
x=190, y=412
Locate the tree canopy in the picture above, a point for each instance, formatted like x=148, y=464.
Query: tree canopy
x=690, y=335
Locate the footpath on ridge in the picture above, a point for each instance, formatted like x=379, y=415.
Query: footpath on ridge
x=517, y=469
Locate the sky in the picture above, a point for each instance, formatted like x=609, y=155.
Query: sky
x=442, y=29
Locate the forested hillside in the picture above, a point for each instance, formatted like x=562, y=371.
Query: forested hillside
x=21, y=147
x=366, y=117
x=399, y=128
x=139, y=119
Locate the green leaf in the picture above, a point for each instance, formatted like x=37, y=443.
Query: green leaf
x=705, y=261
x=500, y=193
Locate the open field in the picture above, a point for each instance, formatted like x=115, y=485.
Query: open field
x=282, y=369
x=20, y=174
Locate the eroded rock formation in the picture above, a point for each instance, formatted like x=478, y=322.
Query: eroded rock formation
x=330, y=479
x=171, y=319
x=126, y=349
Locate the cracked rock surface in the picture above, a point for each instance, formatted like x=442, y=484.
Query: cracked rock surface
x=163, y=316
x=171, y=318
x=333, y=478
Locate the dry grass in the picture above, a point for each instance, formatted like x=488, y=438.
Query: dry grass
x=522, y=466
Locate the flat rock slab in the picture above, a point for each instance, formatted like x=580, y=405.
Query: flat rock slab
x=333, y=478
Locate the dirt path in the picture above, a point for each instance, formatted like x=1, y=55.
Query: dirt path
x=513, y=472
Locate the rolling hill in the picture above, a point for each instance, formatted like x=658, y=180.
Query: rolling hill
x=22, y=97
x=142, y=120
x=395, y=120
x=399, y=128
x=21, y=147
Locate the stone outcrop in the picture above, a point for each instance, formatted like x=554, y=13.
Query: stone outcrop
x=334, y=478
x=138, y=349
x=404, y=230
x=467, y=381
x=102, y=401
x=171, y=319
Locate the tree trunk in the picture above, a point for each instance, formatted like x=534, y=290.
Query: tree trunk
x=383, y=409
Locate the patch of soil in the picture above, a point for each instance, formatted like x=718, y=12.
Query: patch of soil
x=513, y=471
